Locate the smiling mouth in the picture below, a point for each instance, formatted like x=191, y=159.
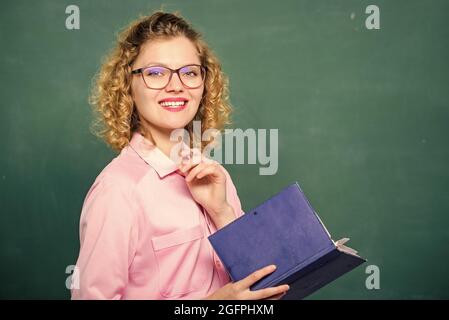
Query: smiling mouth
x=174, y=106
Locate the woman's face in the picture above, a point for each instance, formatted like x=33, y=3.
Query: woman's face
x=173, y=53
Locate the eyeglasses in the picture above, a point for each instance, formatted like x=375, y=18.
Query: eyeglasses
x=158, y=77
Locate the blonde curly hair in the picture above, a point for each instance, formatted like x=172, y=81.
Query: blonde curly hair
x=116, y=114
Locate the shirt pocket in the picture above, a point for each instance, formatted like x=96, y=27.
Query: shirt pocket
x=182, y=260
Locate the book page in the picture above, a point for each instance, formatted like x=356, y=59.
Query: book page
x=325, y=229
x=340, y=246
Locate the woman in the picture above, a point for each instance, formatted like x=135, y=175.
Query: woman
x=146, y=218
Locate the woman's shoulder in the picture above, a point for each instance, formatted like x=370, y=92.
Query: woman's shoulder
x=114, y=178
x=113, y=188
x=124, y=170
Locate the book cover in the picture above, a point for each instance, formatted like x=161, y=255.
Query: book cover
x=287, y=232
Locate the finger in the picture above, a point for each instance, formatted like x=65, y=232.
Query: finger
x=208, y=160
x=210, y=169
x=197, y=156
x=205, y=169
x=269, y=292
x=183, y=152
x=256, y=276
x=192, y=156
x=195, y=171
x=187, y=164
x=185, y=167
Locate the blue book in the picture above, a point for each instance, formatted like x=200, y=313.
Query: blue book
x=287, y=232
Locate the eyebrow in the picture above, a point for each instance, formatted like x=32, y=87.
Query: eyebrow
x=152, y=64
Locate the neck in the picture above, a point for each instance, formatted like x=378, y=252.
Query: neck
x=161, y=138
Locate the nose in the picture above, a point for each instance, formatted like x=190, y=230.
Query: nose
x=174, y=84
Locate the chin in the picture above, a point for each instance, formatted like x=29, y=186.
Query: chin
x=172, y=125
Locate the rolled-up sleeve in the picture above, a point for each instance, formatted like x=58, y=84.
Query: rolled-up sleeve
x=108, y=240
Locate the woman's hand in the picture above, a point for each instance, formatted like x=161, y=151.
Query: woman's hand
x=240, y=290
x=206, y=181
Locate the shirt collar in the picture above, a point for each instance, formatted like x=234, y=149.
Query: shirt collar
x=152, y=155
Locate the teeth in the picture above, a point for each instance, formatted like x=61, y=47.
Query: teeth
x=172, y=103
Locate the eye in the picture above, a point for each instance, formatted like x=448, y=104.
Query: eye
x=155, y=72
x=190, y=71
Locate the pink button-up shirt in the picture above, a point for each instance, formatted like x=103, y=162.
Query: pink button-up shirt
x=142, y=234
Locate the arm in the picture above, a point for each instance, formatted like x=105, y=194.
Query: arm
x=232, y=210
x=226, y=216
x=108, y=237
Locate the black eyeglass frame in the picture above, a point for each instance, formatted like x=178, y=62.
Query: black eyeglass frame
x=202, y=68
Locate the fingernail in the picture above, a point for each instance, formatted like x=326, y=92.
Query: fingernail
x=273, y=267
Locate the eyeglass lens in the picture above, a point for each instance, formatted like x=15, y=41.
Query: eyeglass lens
x=157, y=77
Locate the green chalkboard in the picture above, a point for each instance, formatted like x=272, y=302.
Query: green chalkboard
x=362, y=118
